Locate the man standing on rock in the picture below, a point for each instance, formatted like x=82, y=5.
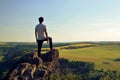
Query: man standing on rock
x=42, y=35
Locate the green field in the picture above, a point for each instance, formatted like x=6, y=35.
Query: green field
x=103, y=56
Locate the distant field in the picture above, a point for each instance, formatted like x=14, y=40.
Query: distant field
x=2, y=43
x=103, y=56
x=1, y=57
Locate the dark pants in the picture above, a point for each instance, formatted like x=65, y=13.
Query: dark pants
x=40, y=42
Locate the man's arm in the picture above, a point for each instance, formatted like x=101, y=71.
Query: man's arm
x=46, y=35
x=36, y=35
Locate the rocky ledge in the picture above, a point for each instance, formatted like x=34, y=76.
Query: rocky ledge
x=32, y=67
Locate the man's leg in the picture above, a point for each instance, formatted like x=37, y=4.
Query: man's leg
x=50, y=42
x=39, y=47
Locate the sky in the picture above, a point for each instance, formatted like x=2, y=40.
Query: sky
x=66, y=20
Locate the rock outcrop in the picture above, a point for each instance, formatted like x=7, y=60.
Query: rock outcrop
x=32, y=67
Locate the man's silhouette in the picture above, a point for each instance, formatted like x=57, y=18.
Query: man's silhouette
x=42, y=35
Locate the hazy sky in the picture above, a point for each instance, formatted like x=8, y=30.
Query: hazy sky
x=66, y=20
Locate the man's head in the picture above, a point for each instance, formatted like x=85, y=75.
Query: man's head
x=41, y=19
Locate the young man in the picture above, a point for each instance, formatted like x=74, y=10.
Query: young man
x=42, y=35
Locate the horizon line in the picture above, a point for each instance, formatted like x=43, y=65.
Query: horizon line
x=56, y=42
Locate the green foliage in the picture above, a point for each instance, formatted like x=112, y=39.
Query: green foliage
x=75, y=66
x=66, y=75
x=72, y=70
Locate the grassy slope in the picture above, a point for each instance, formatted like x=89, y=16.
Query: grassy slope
x=102, y=55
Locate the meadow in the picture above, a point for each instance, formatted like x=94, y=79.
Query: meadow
x=104, y=56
